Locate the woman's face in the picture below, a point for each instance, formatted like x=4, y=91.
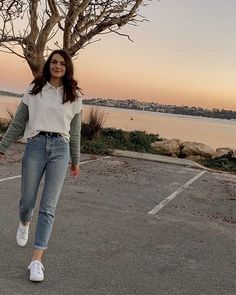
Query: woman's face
x=57, y=66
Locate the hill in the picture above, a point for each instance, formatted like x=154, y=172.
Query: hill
x=8, y=93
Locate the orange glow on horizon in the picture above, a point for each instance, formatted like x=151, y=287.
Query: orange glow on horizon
x=185, y=55
x=117, y=79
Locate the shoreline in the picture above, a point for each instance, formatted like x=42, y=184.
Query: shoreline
x=5, y=99
x=158, y=113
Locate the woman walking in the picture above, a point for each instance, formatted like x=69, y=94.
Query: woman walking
x=49, y=116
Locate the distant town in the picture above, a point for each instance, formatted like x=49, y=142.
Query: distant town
x=162, y=108
x=152, y=107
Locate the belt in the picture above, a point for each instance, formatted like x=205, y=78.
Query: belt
x=49, y=134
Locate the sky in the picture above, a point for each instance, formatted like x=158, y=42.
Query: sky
x=184, y=55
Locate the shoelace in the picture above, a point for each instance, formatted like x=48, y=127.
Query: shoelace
x=23, y=231
x=37, y=265
x=38, y=268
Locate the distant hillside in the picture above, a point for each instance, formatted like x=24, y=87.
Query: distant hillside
x=162, y=108
x=8, y=93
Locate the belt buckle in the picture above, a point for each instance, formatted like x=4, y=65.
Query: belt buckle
x=48, y=134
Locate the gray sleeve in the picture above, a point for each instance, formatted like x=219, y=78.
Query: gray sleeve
x=75, y=137
x=16, y=128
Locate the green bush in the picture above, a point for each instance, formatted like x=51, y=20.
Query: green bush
x=225, y=163
x=114, y=134
x=142, y=139
x=95, y=147
x=111, y=138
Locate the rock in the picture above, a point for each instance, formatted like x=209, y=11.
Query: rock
x=222, y=152
x=168, y=147
x=179, y=141
x=194, y=148
x=196, y=158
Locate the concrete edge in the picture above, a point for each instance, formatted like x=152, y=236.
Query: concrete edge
x=152, y=157
x=158, y=158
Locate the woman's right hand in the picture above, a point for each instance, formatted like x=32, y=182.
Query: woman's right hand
x=2, y=156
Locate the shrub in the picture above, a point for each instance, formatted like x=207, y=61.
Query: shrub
x=139, y=138
x=95, y=146
x=91, y=128
x=4, y=124
x=115, y=134
x=225, y=163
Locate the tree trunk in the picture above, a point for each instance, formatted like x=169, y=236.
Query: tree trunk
x=35, y=62
x=36, y=66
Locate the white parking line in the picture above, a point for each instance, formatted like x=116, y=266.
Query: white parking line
x=10, y=178
x=172, y=196
x=81, y=163
x=85, y=162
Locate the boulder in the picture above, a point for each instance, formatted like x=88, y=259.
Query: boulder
x=179, y=141
x=195, y=148
x=220, y=152
x=168, y=147
x=196, y=158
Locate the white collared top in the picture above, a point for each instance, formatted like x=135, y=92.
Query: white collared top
x=47, y=113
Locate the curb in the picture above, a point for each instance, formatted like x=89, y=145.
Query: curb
x=158, y=158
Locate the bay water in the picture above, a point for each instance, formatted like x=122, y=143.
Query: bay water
x=214, y=132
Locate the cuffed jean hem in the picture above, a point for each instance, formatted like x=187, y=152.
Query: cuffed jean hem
x=39, y=247
x=25, y=221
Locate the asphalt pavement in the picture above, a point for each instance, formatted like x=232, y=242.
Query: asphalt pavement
x=107, y=240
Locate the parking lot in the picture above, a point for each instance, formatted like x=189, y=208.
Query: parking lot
x=127, y=226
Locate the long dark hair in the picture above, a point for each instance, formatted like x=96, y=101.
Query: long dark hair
x=69, y=83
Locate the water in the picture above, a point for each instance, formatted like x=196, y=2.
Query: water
x=214, y=132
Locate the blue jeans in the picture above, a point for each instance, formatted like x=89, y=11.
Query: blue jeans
x=47, y=155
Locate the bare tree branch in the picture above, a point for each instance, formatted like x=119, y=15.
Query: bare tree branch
x=11, y=51
x=118, y=33
x=50, y=23
x=78, y=21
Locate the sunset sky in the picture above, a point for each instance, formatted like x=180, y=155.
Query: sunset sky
x=185, y=55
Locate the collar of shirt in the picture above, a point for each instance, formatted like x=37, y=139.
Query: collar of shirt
x=48, y=86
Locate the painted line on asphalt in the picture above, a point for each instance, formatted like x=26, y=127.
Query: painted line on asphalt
x=85, y=162
x=10, y=178
x=175, y=194
x=81, y=163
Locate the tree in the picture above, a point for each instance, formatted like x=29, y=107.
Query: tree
x=70, y=25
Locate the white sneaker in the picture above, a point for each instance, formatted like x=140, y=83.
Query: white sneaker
x=22, y=235
x=36, y=271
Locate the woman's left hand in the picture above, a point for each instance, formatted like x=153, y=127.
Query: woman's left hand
x=74, y=170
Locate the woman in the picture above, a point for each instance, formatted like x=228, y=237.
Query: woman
x=49, y=116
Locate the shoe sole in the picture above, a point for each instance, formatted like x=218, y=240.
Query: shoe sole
x=36, y=279
x=21, y=245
